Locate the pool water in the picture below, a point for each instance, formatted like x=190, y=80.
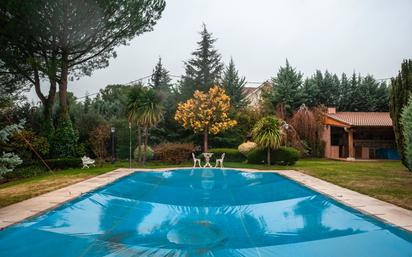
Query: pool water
x=204, y=212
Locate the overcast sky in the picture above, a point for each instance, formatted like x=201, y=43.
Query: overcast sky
x=366, y=36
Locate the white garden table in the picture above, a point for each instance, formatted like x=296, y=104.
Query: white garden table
x=207, y=159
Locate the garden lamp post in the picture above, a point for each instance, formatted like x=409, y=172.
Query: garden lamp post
x=113, y=129
x=285, y=126
x=130, y=144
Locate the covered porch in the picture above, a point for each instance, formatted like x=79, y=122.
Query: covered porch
x=359, y=136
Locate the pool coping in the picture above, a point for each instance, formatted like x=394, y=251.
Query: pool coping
x=387, y=212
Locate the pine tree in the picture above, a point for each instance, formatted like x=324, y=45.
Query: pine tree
x=204, y=69
x=286, y=89
x=233, y=84
x=328, y=87
x=160, y=80
x=167, y=128
x=87, y=103
x=346, y=93
x=401, y=90
x=310, y=92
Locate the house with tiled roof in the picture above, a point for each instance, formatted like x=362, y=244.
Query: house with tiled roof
x=254, y=94
x=359, y=135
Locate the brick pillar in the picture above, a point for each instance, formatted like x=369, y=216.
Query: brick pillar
x=326, y=138
x=350, y=145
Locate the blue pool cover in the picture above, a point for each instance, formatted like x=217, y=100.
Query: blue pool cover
x=204, y=212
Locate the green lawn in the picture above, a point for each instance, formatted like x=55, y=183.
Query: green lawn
x=386, y=180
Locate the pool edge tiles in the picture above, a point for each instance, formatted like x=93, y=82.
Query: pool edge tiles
x=18, y=212
x=386, y=212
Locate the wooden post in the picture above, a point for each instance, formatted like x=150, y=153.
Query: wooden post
x=350, y=145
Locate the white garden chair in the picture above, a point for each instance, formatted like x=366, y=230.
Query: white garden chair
x=220, y=161
x=87, y=162
x=195, y=160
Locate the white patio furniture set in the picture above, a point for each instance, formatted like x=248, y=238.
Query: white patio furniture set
x=207, y=157
x=87, y=162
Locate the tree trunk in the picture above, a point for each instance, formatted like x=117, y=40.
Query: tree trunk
x=146, y=136
x=47, y=103
x=64, y=111
x=205, y=141
x=268, y=156
x=139, y=143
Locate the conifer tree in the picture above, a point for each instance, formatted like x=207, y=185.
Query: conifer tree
x=233, y=84
x=286, y=89
x=204, y=69
x=160, y=80
x=310, y=91
x=346, y=93
x=406, y=121
x=401, y=90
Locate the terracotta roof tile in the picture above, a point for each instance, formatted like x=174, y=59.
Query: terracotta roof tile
x=249, y=90
x=378, y=119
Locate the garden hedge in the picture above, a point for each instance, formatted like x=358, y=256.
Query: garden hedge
x=64, y=163
x=281, y=156
x=231, y=154
x=174, y=153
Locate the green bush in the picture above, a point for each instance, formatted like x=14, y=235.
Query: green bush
x=246, y=147
x=231, y=154
x=174, y=153
x=64, y=163
x=64, y=140
x=406, y=121
x=281, y=156
x=257, y=156
x=26, y=171
x=149, y=152
x=285, y=156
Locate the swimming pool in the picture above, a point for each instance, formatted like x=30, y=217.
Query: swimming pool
x=204, y=212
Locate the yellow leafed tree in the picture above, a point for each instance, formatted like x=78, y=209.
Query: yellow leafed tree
x=206, y=113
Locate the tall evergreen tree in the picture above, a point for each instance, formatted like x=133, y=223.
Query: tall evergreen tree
x=160, y=80
x=286, y=89
x=204, y=69
x=233, y=85
x=346, y=93
x=401, y=90
x=310, y=92
x=167, y=129
x=325, y=87
x=87, y=103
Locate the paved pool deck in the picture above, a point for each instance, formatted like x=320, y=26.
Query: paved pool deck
x=387, y=212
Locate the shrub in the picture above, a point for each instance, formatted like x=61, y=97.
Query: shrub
x=149, y=152
x=281, y=156
x=285, y=156
x=19, y=143
x=25, y=171
x=231, y=154
x=98, y=140
x=174, y=153
x=64, y=163
x=246, y=147
x=257, y=156
x=64, y=140
x=406, y=121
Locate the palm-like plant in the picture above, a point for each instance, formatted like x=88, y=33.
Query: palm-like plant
x=267, y=133
x=145, y=109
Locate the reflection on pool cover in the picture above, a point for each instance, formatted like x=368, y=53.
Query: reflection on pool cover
x=204, y=212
